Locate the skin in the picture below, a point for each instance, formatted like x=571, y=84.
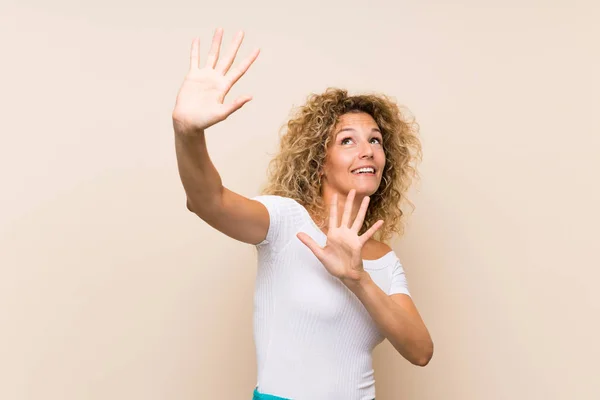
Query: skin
x=357, y=143
x=200, y=104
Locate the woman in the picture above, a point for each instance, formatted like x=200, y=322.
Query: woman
x=326, y=292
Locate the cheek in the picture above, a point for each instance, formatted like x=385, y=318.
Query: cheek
x=381, y=157
x=341, y=161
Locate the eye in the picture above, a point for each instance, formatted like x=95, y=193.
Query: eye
x=343, y=142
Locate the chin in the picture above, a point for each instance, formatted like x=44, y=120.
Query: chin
x=365, y=189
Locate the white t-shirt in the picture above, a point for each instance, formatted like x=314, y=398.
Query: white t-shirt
x=314, y=338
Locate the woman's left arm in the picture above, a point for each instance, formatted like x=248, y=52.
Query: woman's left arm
x=396, y=317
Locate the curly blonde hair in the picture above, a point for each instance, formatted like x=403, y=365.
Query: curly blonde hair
x=295, y=171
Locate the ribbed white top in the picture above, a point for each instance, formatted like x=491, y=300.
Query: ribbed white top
x=314, y=338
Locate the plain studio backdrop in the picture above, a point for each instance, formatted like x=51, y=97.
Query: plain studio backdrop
x=111, y=289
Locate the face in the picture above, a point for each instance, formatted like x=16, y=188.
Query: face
x=357, y=142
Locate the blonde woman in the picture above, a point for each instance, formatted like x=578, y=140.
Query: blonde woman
x=328, y=287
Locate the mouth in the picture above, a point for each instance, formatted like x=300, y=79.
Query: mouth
x=364, y=171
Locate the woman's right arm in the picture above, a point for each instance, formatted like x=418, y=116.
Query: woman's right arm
x=200, y=105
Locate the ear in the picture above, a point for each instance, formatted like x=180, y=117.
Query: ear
x=322, y=169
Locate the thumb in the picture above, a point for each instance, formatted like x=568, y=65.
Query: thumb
x=237, y=104
x=311, y=244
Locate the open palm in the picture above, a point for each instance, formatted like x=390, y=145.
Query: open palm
x=200, y=101
x=342, y=254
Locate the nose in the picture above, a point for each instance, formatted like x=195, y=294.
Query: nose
x=366, y=151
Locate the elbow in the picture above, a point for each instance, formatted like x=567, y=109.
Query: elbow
x=201, y=203
x=188, y=205
x=425, y=356
x=194, y=206
x=422, y=362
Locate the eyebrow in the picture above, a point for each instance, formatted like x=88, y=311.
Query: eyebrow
x=354, y=130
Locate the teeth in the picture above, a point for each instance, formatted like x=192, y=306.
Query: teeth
x=358, y=171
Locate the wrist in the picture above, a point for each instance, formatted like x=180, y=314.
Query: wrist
x=358, y=281
x=185, y=130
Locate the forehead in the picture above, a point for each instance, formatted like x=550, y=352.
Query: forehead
x=359, y=120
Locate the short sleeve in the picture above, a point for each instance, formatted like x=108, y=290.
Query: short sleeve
x=285, y=219
x=399, y=283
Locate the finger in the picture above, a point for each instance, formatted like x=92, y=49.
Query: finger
x=370, y=232
x=225, y=63
x=195, y=54
x=215, y=48
x=237, y=104
x=311, y=244
x=236, y=73
x=333, y=218
x=348, y=208
x=360, y=217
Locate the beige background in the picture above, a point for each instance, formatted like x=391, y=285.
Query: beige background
x=111, y=289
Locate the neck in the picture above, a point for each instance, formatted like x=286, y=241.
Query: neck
x=328, y=193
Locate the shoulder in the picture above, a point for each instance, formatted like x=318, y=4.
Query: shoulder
x=374, y=249
x=270, y=198
x=275, y=202
x=285, y=216
x=274, y=198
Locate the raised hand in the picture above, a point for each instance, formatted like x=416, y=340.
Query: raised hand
x=200, y=101
x=341, y=255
